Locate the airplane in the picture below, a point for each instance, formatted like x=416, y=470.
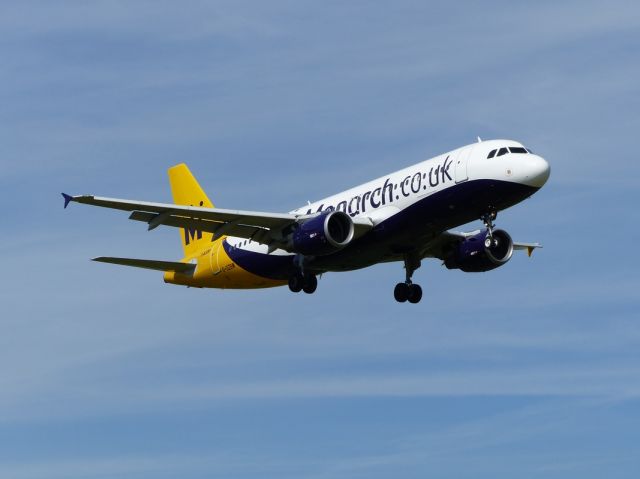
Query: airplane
x=405, y=216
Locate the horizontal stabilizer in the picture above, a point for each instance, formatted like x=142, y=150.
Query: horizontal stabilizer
x=186, y=268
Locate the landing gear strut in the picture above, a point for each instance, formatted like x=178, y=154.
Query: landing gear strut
x=408, y=291
x=488, y=219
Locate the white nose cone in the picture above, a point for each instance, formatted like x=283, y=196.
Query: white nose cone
x=535, y=171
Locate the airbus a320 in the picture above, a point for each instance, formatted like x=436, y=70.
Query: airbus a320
x=405, y=216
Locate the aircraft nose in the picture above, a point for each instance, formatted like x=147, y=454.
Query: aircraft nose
x=537, y=171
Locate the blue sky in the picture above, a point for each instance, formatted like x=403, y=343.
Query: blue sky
x=531, y=370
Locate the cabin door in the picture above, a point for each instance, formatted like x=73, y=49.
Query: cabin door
x=461, y=164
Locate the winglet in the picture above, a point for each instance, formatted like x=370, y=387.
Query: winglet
x=67, y=199
x=530, y=250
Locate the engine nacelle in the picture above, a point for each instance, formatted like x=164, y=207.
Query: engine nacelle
x=473, y=255
x=323, y=234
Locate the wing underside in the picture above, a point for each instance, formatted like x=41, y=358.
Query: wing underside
x=265, y=228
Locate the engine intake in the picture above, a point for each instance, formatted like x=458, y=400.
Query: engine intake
x=323, y=234
x=477, y=254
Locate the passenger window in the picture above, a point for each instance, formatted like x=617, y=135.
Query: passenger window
x=517, y=149
x=492, y=153
x=503, y=151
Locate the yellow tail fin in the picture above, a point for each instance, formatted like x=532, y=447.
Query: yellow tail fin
x=187, y=191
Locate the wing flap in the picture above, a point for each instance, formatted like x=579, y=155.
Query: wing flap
x=186, y=268
x=218, y=228
x=167, y=219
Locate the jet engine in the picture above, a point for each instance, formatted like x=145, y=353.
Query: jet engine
x=479, y=253
x=323, y=234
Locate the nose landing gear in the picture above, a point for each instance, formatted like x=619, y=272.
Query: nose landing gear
x=408, y=291
x=488, y=219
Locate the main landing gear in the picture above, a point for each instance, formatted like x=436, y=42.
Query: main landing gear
x=408, y=291
x=301, y=280
x=307, y=283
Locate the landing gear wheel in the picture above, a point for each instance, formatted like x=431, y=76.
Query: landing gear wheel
x=401, y=292
x=310, y=284
x=415, y=293
x=296, y=282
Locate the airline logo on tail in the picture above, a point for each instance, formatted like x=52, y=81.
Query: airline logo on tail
x=191, y=234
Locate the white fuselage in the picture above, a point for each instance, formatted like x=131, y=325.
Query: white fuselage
x=389, y=195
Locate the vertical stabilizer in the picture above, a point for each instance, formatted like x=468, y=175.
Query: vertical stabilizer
x=187, y=191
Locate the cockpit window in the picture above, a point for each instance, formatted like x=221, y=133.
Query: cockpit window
x=510, y=149
x=517, y=149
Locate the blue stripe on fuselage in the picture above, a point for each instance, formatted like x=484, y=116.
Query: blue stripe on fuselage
x=456, y=206
x=269, y=266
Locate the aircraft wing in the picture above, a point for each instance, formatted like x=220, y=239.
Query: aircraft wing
x=439, y=247
x=266, y=228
